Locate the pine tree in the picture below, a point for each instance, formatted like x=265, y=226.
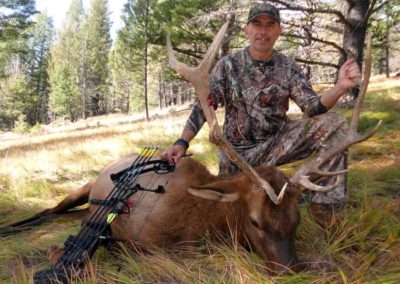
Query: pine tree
x=140, y=30
x=37, y=62
x=14, y=99
x=65, y=99
x=122, y=76
x=67, y=65
x=385, y=36
x=97, y=45
x=15, y=18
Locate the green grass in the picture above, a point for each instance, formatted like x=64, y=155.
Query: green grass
x=365, y=248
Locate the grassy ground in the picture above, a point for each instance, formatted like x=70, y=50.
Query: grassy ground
x=365, y=249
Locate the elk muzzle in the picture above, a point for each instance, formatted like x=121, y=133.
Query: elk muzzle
x=282, y=255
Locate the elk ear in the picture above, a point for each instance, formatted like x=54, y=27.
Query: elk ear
x=223, y=191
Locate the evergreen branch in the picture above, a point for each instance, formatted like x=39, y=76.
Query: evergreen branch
x=327, y=42
x=380, y=6
x=311, y=62
x=188, y=52
x=370, y=9
x=294, y=7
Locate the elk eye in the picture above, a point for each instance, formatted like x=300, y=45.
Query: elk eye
x=254, y=223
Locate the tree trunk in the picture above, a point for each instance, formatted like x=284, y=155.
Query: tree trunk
x=84, y=81
x=165, y=94
x=128, y=102
x=145, y=83
x=355, y=29
x=387, y=54
x=146, y=60
x=160, y=90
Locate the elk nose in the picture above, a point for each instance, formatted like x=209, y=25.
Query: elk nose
x=285, y=258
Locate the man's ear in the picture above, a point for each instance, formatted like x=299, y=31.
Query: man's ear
x=245, y=28
x=280, y=29
x=223, y=190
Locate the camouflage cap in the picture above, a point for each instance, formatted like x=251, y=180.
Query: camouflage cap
x=263, y=8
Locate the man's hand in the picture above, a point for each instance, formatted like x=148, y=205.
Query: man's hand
x=347, y=73
x=173, y=154
x=346, y=80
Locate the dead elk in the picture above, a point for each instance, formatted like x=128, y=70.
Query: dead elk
x=196, y=202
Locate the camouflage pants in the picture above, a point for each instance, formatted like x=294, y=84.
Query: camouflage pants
x=298, y=140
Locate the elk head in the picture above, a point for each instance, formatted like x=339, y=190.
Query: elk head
x=269, y=229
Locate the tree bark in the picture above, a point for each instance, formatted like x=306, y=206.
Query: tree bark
x=146, y=60
x=357, y=15
x=160, y=90
x=387, y=54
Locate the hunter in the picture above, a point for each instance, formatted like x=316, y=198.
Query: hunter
x=254, y=86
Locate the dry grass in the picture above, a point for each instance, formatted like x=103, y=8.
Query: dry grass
x=38, y=171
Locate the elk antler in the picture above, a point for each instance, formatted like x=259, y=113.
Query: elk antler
x=199, y=78
x=352, y=137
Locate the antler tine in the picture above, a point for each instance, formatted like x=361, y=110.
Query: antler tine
x=352, y=137
x=204, y=67
x=183, y=69
x=199, y=78
x=213, y=49
x=305, y=181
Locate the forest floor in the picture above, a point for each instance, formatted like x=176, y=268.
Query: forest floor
x=37, y=171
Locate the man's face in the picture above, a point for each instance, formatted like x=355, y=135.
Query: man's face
x=262, y=32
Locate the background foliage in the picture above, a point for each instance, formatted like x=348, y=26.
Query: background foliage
x=77, y=72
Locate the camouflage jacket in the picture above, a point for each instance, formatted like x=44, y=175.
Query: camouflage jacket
x=256, y=96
